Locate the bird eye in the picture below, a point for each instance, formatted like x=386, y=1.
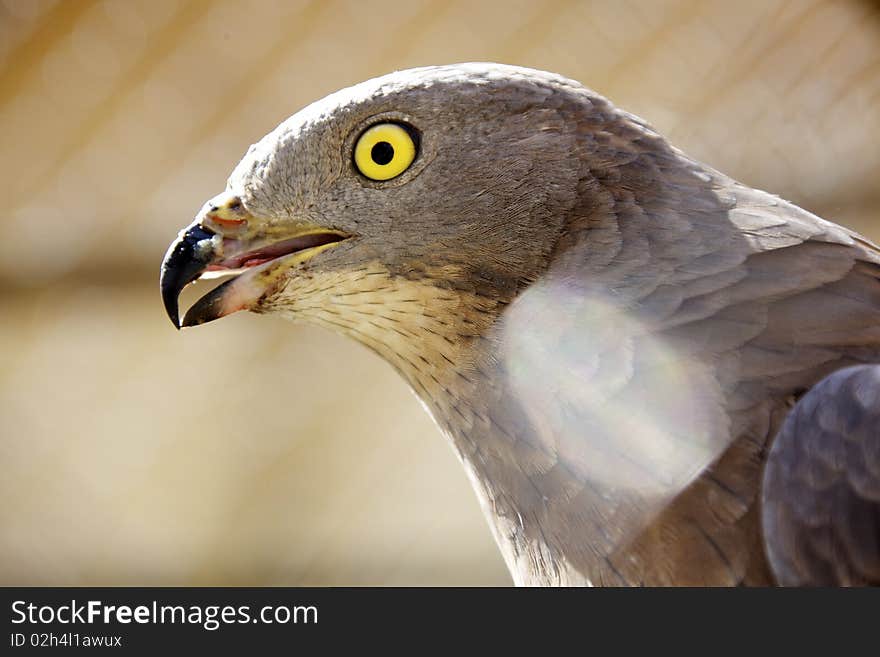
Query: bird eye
x=384, y=151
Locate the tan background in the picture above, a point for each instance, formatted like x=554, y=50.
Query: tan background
x=252, y=451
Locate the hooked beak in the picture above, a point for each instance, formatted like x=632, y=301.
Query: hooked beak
x=226, y=239
x=186, y=259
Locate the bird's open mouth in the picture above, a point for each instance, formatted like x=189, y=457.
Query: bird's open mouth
x=200, y=252
x=274, y=251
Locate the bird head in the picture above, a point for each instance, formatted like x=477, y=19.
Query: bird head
x=440, y=185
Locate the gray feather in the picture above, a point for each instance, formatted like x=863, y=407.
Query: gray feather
x=821, y=495
x=609, y=332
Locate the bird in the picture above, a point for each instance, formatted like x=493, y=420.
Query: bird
x=609, y=333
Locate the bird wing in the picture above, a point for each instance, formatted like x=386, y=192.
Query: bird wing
x=821, y=493
x=655, y=357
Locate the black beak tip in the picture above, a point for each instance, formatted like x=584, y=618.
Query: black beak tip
x=189, y=321
x=206, y=309
x=175, y=320
x=183, y=263
x=169, y=299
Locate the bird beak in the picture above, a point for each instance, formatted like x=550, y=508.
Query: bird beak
x=226, y=239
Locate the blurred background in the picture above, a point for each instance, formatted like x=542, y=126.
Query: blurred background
x=253, y=451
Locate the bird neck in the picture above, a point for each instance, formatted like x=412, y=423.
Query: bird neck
x=452, y=365
x=444, y=342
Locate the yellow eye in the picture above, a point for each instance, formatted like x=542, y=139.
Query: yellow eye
x=384, y=151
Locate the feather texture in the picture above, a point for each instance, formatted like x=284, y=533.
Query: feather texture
x=609, y=332
x=821, y=495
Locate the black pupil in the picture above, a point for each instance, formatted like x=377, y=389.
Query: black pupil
x=382, y=153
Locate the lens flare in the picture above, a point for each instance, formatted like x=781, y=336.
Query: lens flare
x=629, y=416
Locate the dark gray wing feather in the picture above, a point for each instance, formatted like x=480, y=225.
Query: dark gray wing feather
x=821, y=493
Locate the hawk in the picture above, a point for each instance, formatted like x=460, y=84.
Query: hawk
x=609, y=332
